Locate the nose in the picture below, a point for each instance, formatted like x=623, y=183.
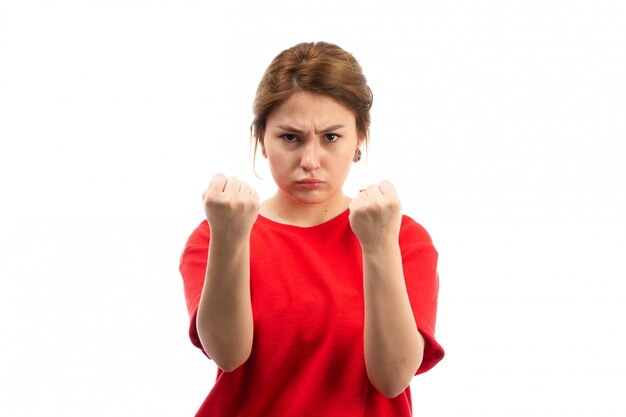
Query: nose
x=310, y=160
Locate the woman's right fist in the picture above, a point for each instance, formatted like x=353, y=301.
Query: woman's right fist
x=231, y=206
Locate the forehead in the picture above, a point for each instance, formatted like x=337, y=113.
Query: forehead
x=311, y=110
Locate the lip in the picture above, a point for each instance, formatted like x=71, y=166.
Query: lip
x=309, y=183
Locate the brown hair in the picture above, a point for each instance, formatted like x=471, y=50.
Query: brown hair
x=320, y=68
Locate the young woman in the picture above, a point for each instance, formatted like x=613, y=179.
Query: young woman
x=311, y=303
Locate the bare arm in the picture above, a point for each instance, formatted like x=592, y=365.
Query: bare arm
x=224, y=320
x=392, y=344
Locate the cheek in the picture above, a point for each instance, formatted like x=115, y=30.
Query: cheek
x=279, y=160
x=343, y=162
x=279, y=165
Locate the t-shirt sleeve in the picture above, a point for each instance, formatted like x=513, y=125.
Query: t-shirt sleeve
x=419, y=263
x=193, y=269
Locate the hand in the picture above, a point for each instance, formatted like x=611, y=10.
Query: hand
x=231, y=206
x=376, y=215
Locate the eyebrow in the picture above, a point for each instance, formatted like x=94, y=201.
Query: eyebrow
x=295, y=130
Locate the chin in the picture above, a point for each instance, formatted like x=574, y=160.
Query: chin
x=307, y=201
x=308, y=197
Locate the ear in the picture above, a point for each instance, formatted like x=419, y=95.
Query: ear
x=361, y=140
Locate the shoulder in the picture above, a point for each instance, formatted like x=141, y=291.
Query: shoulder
x=413, y=232
x=199, y=237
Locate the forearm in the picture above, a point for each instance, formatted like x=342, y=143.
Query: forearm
x=224, y=320
x=393, y=346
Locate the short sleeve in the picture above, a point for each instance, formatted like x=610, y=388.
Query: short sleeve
x=193, y=269
x=419, y=263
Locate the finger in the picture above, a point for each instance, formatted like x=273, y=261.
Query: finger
x=232, y=186
x=244, y=188
x=217, y=184
x=387, y=188
x=373, y=191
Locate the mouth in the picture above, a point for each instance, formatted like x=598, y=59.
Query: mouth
x=309, y=183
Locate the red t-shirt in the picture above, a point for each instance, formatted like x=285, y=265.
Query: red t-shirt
x=307, y=355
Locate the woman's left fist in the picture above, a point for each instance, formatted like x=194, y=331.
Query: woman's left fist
x=376, y=215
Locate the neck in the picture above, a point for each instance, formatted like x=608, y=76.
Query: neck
x=282, y=209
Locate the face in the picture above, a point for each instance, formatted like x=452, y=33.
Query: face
x=310, y=141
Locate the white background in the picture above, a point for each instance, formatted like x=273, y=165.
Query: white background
x=502, y=124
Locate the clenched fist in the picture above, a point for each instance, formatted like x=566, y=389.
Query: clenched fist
x=231, y=206
x=376, y=215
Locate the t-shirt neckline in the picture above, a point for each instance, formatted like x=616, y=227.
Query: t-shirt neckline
x=328, y=223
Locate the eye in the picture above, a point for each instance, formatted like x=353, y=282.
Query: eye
x=289, y=138
x=331, y=137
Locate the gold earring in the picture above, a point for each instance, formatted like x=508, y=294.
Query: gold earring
x=357, y=156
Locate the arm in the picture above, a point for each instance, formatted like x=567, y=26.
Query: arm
x=224, y=320
x=392, y=344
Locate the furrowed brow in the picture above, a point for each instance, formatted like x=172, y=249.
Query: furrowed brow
x=288, y=128
x=330, y=129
